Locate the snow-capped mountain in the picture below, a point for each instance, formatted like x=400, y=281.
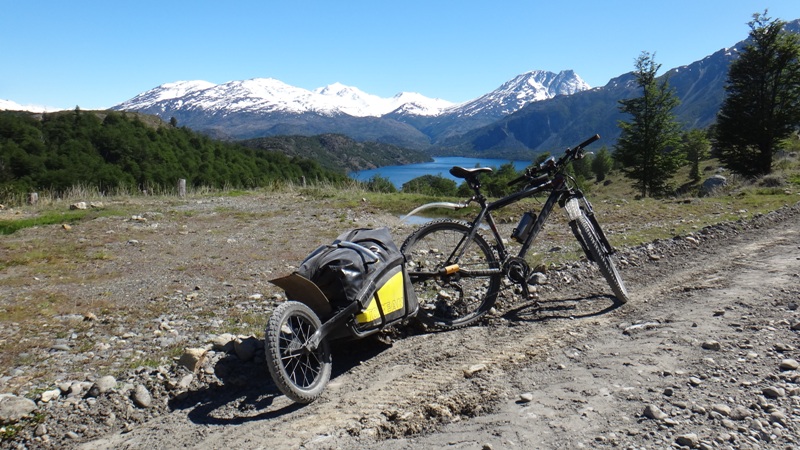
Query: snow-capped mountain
x=268, y=95
x=8, y=105
x=523, y=89
x=266, y=106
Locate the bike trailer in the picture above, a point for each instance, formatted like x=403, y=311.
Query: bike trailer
x=362, y=266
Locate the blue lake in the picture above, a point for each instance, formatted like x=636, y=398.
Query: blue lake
x=440, y=166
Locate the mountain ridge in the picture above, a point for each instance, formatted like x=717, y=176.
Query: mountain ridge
x=563, y=121
x=265, y=107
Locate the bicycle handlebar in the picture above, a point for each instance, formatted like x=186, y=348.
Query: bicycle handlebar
x=588, y=141
x=529, y=174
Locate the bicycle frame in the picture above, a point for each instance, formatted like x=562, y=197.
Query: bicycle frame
x=450, y=306
x=560, y=192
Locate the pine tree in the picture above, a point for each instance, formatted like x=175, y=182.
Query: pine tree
x=696, y=145
x=602, y=164
x=762, y=106
x=648, y=147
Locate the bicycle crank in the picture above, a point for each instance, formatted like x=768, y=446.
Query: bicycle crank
x=517, y=270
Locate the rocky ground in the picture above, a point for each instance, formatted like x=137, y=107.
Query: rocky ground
x=143, y=330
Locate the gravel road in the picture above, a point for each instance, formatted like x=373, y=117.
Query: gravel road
x=703, y=356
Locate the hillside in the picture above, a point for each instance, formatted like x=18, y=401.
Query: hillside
x=114, y=150
x=338, y=152
x=560, y=121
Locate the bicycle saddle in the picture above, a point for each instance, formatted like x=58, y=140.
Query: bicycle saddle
x=460, y=172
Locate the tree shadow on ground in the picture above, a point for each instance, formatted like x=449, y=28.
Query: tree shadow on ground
x=243, y=391
x=559, y=309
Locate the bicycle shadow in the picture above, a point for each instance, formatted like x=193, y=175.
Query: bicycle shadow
x=563, y=308
x=245, y=392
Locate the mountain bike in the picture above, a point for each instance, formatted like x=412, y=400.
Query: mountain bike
x=456, y=273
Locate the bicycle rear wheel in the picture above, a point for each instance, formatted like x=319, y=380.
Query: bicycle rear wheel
x=299, y=373
x=449, y=301
x=601, y=256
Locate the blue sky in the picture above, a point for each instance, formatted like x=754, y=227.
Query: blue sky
x=95, y=54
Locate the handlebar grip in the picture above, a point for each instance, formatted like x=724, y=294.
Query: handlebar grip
x=588, y=141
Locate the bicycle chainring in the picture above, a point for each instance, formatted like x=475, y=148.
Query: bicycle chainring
x=517, y=270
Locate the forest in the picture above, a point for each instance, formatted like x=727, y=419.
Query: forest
x=109, y=150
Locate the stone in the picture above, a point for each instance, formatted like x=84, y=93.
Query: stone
x=689, y=440
x=710, y=185
x=697, y=409
x=75, y=389
x=474, y=369
x=186, y=381
x=712, y=345
x=773, y=392
x=740, y=413
x=526, y=397
x=653, y=412
x=782, y=348
x=223, y=342
x=13, y=408
x=79, y=205
x=141, y=396
x=789, y=364
x=725, y=410
x=537, y=278
x=103, y=385
x=246, y=348
x=192, y=359
x=778, y=417
x=48, y=396
x=670, y=422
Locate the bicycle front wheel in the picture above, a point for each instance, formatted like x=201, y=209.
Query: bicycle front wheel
x=301, y=374
x=452, y=298
x=604, y=261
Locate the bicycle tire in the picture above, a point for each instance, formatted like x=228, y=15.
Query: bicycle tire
x=301, y=376
x=451, y=301
x=602, y=258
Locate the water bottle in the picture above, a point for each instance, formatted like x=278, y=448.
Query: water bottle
x=523, y=230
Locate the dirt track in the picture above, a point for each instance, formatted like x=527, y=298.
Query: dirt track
x=701, y=342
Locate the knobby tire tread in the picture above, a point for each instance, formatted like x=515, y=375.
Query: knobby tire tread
x=602, y=258
x=283, y=368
